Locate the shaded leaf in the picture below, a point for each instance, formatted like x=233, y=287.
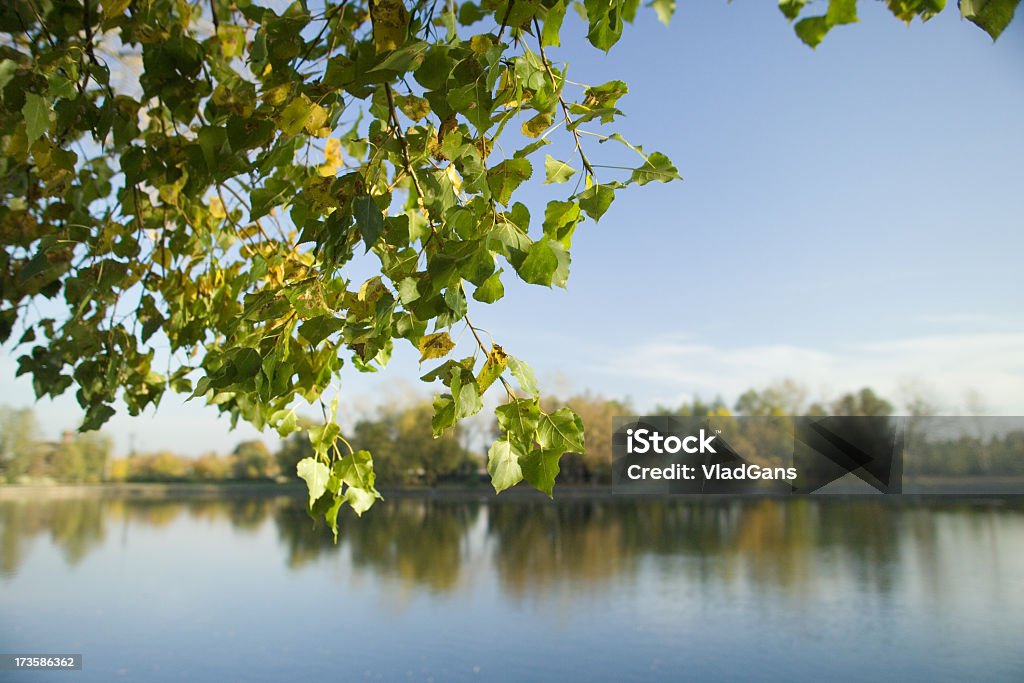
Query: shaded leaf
x=504, y=178
x=390, y=24
x=540, y=468
x=37, y=116
x=491, y=289
x=315, y=330
x=519, y=420
x=992, y=16
x=465, y=394
x=369, y=219
x=596, y=200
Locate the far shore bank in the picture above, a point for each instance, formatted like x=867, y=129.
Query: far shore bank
x=963, y=489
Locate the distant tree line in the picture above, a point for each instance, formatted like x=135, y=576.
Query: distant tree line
x=406, y=454
x=74, y=457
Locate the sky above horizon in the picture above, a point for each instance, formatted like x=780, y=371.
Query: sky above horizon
x=847, y=219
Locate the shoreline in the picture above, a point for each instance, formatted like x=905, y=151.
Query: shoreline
x=923, y=490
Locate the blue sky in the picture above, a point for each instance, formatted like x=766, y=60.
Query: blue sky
x=850, y=216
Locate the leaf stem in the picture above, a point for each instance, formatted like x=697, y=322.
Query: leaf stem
x=561, y=100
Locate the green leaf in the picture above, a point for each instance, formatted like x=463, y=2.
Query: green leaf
x=301, y=113
x=356, y=470
x=369, y=219
x=841, y=12
x=791, y=8
x=992, y=16
x=560, y=219
x=315, y=330
x=606, y=95
x=553, y=24
x=596, y=199
x=524, y=375
x=504, y=178
x=605, y=20
x=331, y=514
x=538, y=268
x=444, y=414
x=322, y=438
x=465, y=394
x=556, y=171
x=519, y=419
x=546, y=263
x=315, y=474
x=503, y=465
x=37, y=116
x=407, y=58
x=491, y=290
x=562, y=430
x=408, y=290
x=540, y=467
x=907, y=10
x=246, y=362
x=657, y=167
x=95, y=417
x=812, y=30
x=286, y=421
x=435, y=345
x=455, y=300
x=360, y=500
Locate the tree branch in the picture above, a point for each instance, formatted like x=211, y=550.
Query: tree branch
x=561, y=100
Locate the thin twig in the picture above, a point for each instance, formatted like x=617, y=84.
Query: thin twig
x=561, y=100
x=504, y=20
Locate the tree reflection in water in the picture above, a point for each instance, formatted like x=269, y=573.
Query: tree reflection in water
x=534, y=547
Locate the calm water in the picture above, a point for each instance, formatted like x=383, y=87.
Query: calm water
x=749, y=590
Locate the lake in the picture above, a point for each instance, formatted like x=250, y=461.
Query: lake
x=517, y=590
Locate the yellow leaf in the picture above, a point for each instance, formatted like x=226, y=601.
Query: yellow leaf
x=114, y=8
x=332, y=151
x=316, y=118
x=217, y=208
x=454, y=177
x=390, y=25
x=332, y=158
x=232, y=40
x=537, y=125
x=480, y=44
x=435, y=345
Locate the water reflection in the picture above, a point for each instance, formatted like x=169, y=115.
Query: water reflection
x=536, y=547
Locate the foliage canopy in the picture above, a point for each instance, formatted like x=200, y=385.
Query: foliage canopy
x=199, y=177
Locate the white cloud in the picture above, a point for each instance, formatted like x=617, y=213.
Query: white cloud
x=672, y=369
